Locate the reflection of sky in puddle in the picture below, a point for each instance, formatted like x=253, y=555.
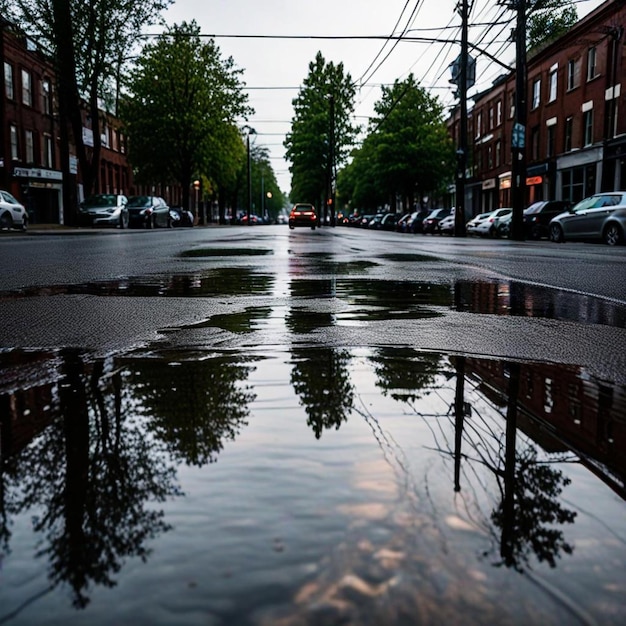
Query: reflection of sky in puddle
x=280, y=485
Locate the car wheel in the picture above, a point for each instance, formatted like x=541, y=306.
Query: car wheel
x=312, y=227
x=123, y=221
x=613, y=235
x=556, y=233
x=6, y=221
x=291, y=227
x=151, y=223
x=24, y=225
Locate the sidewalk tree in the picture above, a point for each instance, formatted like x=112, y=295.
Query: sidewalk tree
x=183, y=98
x=321, y=134
x=89, y=42
x=408, y=150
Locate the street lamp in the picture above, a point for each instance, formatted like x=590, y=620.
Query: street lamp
x=250, y=131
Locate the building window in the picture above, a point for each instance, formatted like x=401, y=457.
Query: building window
x=569, y=128
x=490, y=118
x=479, y=124
x=591, y=63
x=15, y=151
x=498, y=153
x=534, y=143
x=550, y=147
x=29, y=146
x=572, y=74
x=552, y=84
x=499, y=113
x=47, y=156
x=27, y=88
x=588, y=127
x=489, y=157
x=512, y=105
x=536, y=93
x=9, y=89
x=46, y=97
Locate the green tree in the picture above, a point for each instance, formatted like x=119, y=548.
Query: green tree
x=409, y=147
x=321, y=133
x=548, y=20
x=89, y=42
x=183, y=97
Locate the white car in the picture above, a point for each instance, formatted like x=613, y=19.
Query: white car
x=13, y=214
x=488, y=227
x=446, y=225
x=470, y=227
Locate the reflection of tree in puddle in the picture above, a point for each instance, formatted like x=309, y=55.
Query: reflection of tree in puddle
x=92, y=474
x=102, y=457
x=406, y=374
x=321, y=378
x=193, y=406
x=527, y=515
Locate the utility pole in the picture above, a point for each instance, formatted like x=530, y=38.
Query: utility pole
x=518, y=141
x=460, y=78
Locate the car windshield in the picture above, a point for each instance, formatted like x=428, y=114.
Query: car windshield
x=140, y=201
x=595, y=202
x=101, y=200
x=534, y=208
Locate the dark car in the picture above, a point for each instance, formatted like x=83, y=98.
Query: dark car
x=148, y=212
x=181, y=217
x=538, y=215
x=415, y=221
x=431, y=222
x=303, y=214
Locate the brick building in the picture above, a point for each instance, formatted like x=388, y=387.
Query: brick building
x=30, y=135
x=576, y=128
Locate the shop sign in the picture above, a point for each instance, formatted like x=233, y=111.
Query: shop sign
x=35, y=172
x=534, y=180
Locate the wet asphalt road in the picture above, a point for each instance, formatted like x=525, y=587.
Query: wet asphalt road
x=109, y=291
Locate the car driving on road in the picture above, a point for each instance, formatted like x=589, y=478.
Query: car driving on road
x=303, y=215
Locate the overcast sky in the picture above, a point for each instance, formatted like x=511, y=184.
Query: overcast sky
x=274, y=68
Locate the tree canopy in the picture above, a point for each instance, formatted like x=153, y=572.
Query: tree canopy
x=548, y=20
x=408, y=151
x=181, y=111
x=322, y=133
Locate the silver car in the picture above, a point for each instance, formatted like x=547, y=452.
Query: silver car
x=599, y=217
x=104, y=209
x=12, y=213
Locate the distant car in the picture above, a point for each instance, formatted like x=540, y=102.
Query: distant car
x=430, y=223
x=598, y=217
x=13, y=214
x=148, y=212
x=376, y=221
x=415, y=221
x=488, y=227
x=538, y=215
x=104, y=209
x=303, y=214
x=181, y=217
x=254, y=219
x=364, y=220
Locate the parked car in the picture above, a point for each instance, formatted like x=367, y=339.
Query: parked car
x=148, y=212
x=538, y=215
x=181, y=217
x=303, y=214
x=488, y=227
x=415, y=222
x=598, y=217
x=470, y=227
x=446, y=225
x=104, y=209
x=400, y=224
x=430, y=223
x=364, y=221
x=254, y=219
x=13, y=214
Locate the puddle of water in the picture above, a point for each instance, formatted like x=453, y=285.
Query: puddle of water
x=224, y=252
x=392, y=299
x=307, y=486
